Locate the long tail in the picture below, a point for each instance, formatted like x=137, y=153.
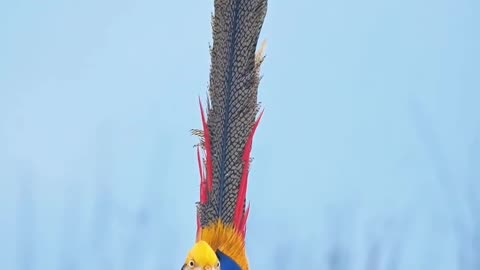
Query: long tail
x=232, y=110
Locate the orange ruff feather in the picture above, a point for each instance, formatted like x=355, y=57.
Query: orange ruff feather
x=228, y=240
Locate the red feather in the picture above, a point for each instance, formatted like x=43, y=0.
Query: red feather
x=240, y=218
x=208, y=149
x=244, y=221
x=203, y=182
x=206, y=179
x=203, y=191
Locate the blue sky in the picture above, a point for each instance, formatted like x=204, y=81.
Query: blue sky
x=371, y=133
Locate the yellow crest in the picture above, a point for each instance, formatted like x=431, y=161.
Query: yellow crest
x=202, y=255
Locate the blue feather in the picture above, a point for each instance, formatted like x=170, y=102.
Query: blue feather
x=226, y=263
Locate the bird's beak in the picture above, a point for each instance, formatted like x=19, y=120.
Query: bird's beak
x=183, y=266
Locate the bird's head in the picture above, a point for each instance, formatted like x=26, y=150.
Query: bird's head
x=201, y=257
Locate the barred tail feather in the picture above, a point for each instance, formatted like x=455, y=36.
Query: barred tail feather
x=231, y=116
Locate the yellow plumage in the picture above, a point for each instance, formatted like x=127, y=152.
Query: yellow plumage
x=202, y=255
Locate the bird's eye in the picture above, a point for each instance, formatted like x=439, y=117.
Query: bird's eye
x=191, y=263
x=218, y=264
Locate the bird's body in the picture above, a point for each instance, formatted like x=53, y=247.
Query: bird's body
x=226, y=138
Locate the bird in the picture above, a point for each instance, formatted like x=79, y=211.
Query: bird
x=229, y=123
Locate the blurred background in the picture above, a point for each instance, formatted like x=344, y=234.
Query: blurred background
x=367, y=156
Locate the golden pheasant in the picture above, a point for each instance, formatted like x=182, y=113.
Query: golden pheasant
x=229, y=124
